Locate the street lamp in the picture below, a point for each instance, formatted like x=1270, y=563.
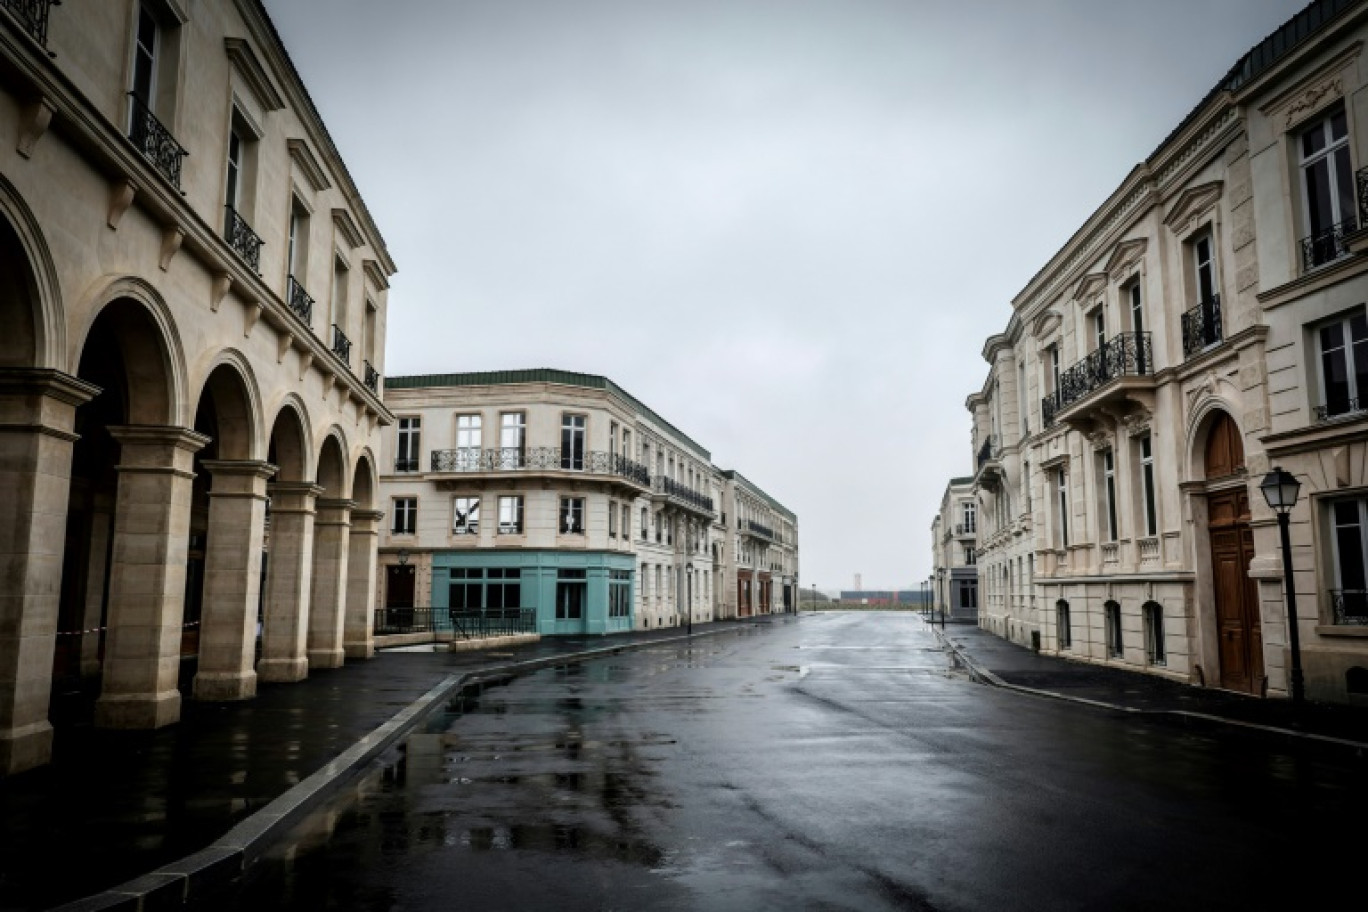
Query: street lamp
x=688, y=576
x=1280, y=489
x=814, y=596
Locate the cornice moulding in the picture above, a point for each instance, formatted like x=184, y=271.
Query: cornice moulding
x=245, y=60
x=303, y=156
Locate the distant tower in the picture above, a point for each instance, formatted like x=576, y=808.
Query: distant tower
x=859, y=584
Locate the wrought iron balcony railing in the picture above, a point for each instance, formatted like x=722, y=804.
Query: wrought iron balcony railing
x=1327, y=245
x=964, y=528
x=1202, y=327
x=986, y=452
x=1350, y=606
x=1361, y=180
x=1048, y=406
x=299, y=300
x=406, y=465
x=676, y=491
x=759, y=529
x=1127, y=354
x=513, y=459
x=242, y=238
x=372, y=377
x=1337, y=407
x=32, y=16
x=341, y=345
x=155, y=142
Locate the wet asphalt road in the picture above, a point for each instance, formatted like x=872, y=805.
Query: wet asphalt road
x=827, y=762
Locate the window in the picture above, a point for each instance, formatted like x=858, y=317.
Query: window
x=341, y=279
x=1054, y=368
x=1137, y=310
x=512, y=440
x=970, y=513
x=1204, y=265
x=1063, y=625
x=643, y=524
x=627, y=522
x=619, y=593
x=570, y=586
x=612, y=519
x=1327, y=189
x=1099, y=325
x=572, y=442
x=970, y=555
x=295, y=254
x=481, y=591
x=510, y=514
x=572, y=515
x=406, y=451
x=145, y=48
x=232, y=188
x=1154, y=634
x=1109, y=495
x=1112, y=619
x=465, y=515
x=612, y=439
x=1343, y=365
x=1349, y=598
x=405, y=515
x=1062, y=506
x=968, y=594
x=468, y=442
x=659, y=589
x=1147, y=485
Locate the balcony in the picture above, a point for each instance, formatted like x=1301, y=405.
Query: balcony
x=406, y=465
x=242, y=238
x=1350, y=606
x=671, y=491
x=341, y=345
x=758, y=529
x=473, y=460
x=1328, y=245
x=1339, y=407
x=32, y=16
x=987, y=452
x=965, y=530
x=372, y=377
x=299, y=300
x=1122, y=369
x=1202, y=327
x=155, y=142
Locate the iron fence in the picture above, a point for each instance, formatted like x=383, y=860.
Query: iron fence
x=1202, y=326
x=1327, y=245
x=242, y=238
x=155, y=142
x=32, y=16
x=1350, y=606
x=513, y=459
x=1127, y=354
x=681, y=492
x=299, y=300
x=341, y=345
x=476, y=623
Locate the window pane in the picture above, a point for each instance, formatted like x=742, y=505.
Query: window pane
x=1344, y=184
x=1349, y=541
x=1318, y=205
x=1338, y=129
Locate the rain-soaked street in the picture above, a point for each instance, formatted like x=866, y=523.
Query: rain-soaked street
x=825, y=762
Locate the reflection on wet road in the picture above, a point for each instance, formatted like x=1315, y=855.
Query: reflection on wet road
x=828, y=762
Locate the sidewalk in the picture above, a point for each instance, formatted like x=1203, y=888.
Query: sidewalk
x=116, y=804
x=1004, y=664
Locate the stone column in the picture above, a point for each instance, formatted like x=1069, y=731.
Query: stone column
x=328, y=604
x=232, y=579
x=289, y=576
x=358, y=636
x=101, y=528
x=37, y=415
x=147, y=576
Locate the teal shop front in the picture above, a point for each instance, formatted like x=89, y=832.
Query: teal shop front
x=575, y=592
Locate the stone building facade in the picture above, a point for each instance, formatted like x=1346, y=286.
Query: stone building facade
x=176, y=410
x=1206, y=323
x=954, y=552
x=595, y=513
x=759, y=550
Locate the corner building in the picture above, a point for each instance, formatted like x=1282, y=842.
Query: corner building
x=562, y=499
x=1206, y=323
x=954, y=552
x=194, y=300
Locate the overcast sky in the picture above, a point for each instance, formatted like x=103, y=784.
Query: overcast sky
x=785, y=225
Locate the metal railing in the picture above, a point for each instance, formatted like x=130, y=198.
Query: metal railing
x=1202, y=326
x=1327, y=245
x=1361, y=181
x=986, y=452
x=1350, y=606
x=964, y=528
x=680, y=492
x=403, y=620
x=406, y=465
x=341, y=345
x=1338, y=407
x=299, y=300
x=1126, y=354
x=242, y=238
x=760, y=529
x=513, y=459
x=1048, y=406
x=32, y=16
x=155, y=142
x=470, y=624
x=372, y=377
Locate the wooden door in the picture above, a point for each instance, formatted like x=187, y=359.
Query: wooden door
x=1239, y=635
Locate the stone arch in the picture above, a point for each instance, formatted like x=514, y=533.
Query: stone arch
x=30, y=296
x=288, y=444
x=364, y=483
x=137, y=320
x=1210, y=414
x=231, y=391
x=332, y=471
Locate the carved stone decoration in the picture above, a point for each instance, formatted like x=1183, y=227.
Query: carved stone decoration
x=1100, y=440
x=1125, y=257
x=1313, y=98
x=1137, y=424
x=305, y=362
x=1192, y=203
x=251, y=313
x=1342, y=474
x=1090, y=286
x=1046, y=323
x=121, y=195
x=172, y=236
x=33, y=123
x=283, y=344
x=217, y=289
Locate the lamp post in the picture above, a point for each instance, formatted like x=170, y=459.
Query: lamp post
x=1280, y=489
x=931, y=583
x=688, y=576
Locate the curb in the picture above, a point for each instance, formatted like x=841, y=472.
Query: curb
x=982, y=675
x=201, y=874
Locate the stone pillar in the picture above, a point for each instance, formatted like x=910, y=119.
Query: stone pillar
x=232, y=579
x=327, y=607
x=101, y=528
x=147, y=576
x=289, y=575
x=358, y=637
x=37, y=415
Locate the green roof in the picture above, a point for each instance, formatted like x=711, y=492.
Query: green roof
x=539, y=375
x=963, y=479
